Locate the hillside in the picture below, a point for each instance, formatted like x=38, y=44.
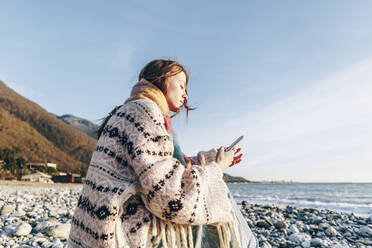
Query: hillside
x=231, y=179
x=81, y=124
x=37, y=135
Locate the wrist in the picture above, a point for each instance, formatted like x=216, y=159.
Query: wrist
x=206, y=157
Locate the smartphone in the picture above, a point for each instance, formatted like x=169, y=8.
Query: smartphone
x=237, y=141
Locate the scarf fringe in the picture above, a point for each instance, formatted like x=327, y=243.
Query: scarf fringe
x=180, y=236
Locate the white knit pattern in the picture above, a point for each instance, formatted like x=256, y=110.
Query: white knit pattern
x=136, y=194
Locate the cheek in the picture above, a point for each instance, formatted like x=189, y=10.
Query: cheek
x=171, y=95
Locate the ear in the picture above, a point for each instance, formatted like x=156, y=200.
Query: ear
x=164, y=85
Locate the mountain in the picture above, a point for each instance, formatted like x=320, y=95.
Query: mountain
x=231, y=179
x=36, y=134
x=81, y=124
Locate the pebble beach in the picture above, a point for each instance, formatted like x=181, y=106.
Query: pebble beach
x=39, y=215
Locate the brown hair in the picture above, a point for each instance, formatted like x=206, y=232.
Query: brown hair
x=156, y=72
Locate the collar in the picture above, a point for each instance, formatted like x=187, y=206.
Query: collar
x=146, y=90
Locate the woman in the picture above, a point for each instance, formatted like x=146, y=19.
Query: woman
x=141, y=191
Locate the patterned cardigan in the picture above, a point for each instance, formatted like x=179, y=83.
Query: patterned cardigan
x=137, y=194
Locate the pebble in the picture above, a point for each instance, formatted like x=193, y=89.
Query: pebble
x=41, y=217
x=266, y=245
x=305, y=227
x=293, y=229
x=365, y=230
x=316, y=242
x=7, y=209
x=299, y=237
x=347, y=234
x=36, y=216
x=43, y=226
x=305, y=244
x=263, y=223
x=330, y=231
x=281, y=224
x=60, y=231
x=23, y=229
x=324, y=225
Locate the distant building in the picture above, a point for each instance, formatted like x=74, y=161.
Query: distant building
x=69, y=178
x=35, y=164
x=52, y=165
x=37, y=177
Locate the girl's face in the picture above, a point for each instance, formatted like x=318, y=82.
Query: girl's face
x=176, y=91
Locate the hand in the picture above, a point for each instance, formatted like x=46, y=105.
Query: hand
x=224, y=159
x=206, y=157
x=237, y=159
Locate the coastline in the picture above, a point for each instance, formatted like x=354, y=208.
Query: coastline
x=289, y=226
x=21, y=184
x=39, y=215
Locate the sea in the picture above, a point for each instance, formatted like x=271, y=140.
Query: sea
x=342, y=197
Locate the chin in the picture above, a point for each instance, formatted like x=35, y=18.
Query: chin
x=174, y=109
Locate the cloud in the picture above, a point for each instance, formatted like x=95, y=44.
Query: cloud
x=339, y=102
x=324, y=127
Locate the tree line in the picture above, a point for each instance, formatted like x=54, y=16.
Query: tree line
x=17, y=166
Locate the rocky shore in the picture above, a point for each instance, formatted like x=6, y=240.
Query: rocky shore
x=35, y=214
x=288, y=226
x=39, y=215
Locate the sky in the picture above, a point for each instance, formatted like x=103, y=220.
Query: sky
x=293, y=77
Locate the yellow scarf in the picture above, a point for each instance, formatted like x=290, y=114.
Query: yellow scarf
x=146, y=90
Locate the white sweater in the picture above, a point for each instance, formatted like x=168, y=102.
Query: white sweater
x=136, y=194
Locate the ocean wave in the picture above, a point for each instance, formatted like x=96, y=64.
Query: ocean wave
x=359, y=209
x=356, y=205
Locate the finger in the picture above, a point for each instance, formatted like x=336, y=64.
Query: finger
x=232, y=163
x=238, y=157
x=235, y=162
x=237, y=150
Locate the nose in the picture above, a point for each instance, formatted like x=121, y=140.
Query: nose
x=185, y=96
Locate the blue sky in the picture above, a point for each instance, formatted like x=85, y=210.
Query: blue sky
x=295, y=77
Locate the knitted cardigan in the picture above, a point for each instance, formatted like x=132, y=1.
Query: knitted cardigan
x=136, y=194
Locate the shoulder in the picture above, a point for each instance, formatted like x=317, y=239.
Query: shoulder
x=147, y=108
